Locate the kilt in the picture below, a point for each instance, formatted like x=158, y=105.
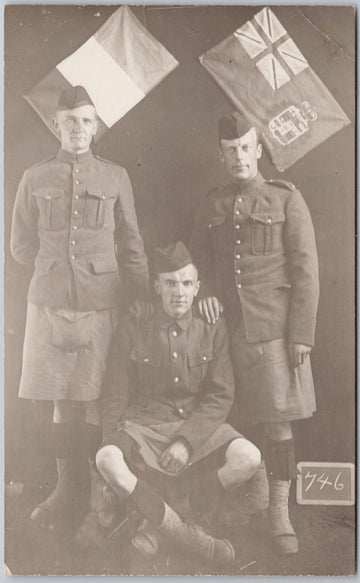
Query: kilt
x=153, y=440
x=65, y=352
x=268, y=388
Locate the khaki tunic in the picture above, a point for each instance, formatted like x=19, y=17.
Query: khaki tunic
x=74, y=225
x=172, y=377
x=254, y=244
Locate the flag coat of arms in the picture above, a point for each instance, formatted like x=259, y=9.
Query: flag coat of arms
x=269, y=80
x=119, y=65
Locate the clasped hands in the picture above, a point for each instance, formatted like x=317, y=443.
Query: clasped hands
x=175, y=457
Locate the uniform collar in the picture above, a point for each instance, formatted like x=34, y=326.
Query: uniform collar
x=64, y=156
x=247, y=185
x=165, y=321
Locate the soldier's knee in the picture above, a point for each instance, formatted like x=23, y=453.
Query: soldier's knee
x=244, y=456
x=108, y=457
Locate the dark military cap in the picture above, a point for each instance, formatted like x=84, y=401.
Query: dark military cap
x=171, y=258
x=73, y=97
x=231, y=128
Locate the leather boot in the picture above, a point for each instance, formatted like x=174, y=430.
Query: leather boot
x=146, y=540
x=193, y=538
x=47, y=513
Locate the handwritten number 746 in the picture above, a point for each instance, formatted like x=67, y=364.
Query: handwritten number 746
x=324, y=481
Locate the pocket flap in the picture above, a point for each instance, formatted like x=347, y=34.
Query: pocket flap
x=146, y=357
x=104, y=265
x=268, y=218
x=200, y=356
x=97, y=193
x=216, y=221
x=48, y=193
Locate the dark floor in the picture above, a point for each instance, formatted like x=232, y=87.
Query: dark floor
x=326, y=539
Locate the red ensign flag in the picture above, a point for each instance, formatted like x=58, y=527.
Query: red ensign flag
x=267, y=77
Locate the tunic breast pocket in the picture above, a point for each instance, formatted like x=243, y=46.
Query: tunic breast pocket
x=266, y=232
x=98, y=209
x=50, y=202
x=222, y=232
x=198, y=360
x=147, y=371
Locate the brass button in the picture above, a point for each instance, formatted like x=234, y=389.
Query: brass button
x=77, y=170
x=73, y=242
x=174, y=333
x=238, y=271
x=237, y=226
x=268, y=221
x=204, y=357
x=73, y=257
x=74, y=227
x=77, y=182
x=146, y=360
x=237, y=256
x=103, y=197
x=239, y=199
x=48, y=197
x=210, y=225
x=237, y=213
x=174, y=354
x=181, y=410
x=239, y=285
x=176, y=380
x=238, y=242
x=76, y=213
x=76, y=197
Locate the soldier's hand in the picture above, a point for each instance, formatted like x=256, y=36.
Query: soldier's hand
x=141, y=311
x=210, y=308
x=298, y=353
x=175, y=457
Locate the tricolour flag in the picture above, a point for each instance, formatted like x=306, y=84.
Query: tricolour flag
x=119, y=65
x=266, y=76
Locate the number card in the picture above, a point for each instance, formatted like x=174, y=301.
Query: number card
x=325, y=483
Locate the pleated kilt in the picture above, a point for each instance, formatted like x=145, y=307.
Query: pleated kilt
x=268, y=388
x=152, y=440
x=65, y=352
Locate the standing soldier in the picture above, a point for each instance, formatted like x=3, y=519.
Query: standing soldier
x=74, y=223
x=254, y=243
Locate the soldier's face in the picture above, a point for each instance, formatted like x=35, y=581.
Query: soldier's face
x=76, y=128
x=177, y=290
x=241, y=156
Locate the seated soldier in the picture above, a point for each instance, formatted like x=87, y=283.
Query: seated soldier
x=172, y=416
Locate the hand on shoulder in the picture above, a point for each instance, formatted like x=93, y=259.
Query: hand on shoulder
x=210, y=309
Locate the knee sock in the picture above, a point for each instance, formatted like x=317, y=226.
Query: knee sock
x=93, y=439
x=209, y=490
x=144, y=499
x=280, y=459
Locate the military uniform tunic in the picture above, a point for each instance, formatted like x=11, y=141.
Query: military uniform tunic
x=74, y=224
x=168, y=380
x=255, y=247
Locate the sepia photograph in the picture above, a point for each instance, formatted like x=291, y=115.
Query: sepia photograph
x=179, y=290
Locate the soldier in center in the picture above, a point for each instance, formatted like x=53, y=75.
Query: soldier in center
x=168, y=390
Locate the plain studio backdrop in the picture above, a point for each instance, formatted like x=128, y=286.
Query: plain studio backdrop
x=168, y=144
